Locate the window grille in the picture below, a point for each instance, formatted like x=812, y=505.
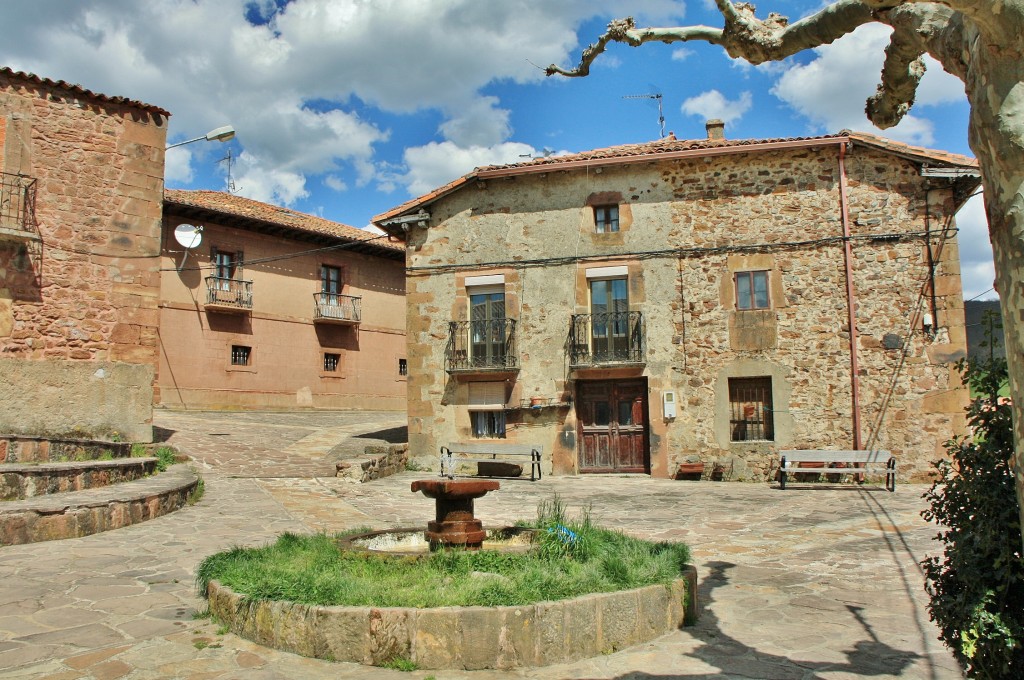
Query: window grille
x=240, y=355
x=331, y=362
x=403, y=367
x=751, y=416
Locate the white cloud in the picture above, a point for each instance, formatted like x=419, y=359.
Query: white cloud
x=257, y=181
x=479, y=123
x=682, y=53
x=713, y=104
x=977, y=270
x=832, y=89
x=335, y=183
x=178, y=165
x=436, y=164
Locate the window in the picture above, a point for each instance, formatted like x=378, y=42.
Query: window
x=403, y=367
x=330, y=283
x=487, y=325
x=487, y=409
x=750, y=409
x=752, y=290
x=240, y=355
x=225, y=266
x=606, y=218
x=331, y=362
x=609, y=308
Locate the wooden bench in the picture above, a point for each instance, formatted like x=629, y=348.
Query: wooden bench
x=873, y=462
x=489, y=452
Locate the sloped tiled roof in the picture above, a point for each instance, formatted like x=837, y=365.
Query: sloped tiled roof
x=79, y=91
x=229, y=205
x=670, y=147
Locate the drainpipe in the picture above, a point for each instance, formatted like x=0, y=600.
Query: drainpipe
x=851, y=298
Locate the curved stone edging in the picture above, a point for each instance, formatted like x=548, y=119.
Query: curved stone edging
x=19, y=481
x=26, y=449
x=469, y=638
x=81, y=513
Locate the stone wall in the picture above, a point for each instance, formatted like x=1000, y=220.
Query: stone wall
x=777, y=211
x=79, y=291
x=377, y=462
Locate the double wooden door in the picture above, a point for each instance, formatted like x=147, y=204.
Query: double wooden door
x=612, y=425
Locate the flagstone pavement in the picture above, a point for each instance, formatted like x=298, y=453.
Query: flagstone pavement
x=801, y=584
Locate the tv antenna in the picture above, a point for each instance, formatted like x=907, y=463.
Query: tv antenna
x=230, y=160
x=661, y=114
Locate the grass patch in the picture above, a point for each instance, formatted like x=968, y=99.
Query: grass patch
x=196, y=494
x=400, y=664
x=165, y=458
x=571, y=558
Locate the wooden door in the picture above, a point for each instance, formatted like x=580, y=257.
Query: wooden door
x=612, y=425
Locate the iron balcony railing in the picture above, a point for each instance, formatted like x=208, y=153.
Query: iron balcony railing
x=606, y=338
x=17, y=203
x=228, y=293
x=337, y=308
x=488, y=345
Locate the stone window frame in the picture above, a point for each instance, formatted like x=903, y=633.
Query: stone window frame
x=782, y=394
x=250, y=356
x=747, y=395
x=332, y=362
x=604, y=200
x=339, y=372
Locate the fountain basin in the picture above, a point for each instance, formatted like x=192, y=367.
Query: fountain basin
x=411, y=541
x=469, y=638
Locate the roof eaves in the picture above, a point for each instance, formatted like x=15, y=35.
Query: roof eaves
x=79, y=91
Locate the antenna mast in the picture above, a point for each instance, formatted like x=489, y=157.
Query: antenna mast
x=229, y=159
x=661, y=114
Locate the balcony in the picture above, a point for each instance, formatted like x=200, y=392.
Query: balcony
x=340, y=309
x=606, y=340
x=17, y=208
x=228, y=295
x=481, y=347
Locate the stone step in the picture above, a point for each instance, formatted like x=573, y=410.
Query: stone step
x=81, y=513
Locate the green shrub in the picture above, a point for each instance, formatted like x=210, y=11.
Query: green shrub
x=976, y=587
x=165, y=458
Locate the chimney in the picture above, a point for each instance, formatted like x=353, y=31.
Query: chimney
x=716, y=129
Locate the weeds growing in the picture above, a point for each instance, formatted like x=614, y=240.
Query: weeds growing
x=572, y=557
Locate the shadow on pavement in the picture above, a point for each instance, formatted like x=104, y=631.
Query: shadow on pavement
x=732, y=658
x=392, y=435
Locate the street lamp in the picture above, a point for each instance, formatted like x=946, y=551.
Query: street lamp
x=221, y=134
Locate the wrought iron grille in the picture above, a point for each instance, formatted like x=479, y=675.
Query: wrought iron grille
x=483, y=345
x=606, y=338
x=17, y=202
x=224, y=292
x=335, y=307
x=750, y=409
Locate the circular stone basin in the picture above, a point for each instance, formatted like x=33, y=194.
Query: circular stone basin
x=412, y=542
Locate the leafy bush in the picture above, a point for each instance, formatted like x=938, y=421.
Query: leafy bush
x=977, y=585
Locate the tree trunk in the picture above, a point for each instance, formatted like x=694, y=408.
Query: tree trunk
x=995, y=89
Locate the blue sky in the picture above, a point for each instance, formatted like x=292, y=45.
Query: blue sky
x=346, y=108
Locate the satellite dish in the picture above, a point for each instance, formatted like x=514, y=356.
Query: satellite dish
x=188, y=235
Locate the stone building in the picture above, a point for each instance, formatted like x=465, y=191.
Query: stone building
x=277, y=309
x=81, y=178
x=644, y=307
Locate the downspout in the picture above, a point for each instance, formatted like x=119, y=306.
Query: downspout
x=851, y=298
x=931, y=261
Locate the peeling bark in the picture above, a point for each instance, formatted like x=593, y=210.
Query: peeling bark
x=976, y=40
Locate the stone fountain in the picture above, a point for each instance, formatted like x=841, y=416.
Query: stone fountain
x=454, y=524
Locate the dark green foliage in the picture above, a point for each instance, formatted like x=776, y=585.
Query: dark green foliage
x=977, y=585
x=165, y=458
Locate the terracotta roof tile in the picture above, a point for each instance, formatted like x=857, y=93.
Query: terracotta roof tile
x=79, y=91
x=670, y=146
x=229, y=204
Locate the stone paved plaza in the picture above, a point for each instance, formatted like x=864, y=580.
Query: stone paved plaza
x=806, y=583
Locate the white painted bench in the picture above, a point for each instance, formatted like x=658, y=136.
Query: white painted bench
x=489, y=452
x=873, y=462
